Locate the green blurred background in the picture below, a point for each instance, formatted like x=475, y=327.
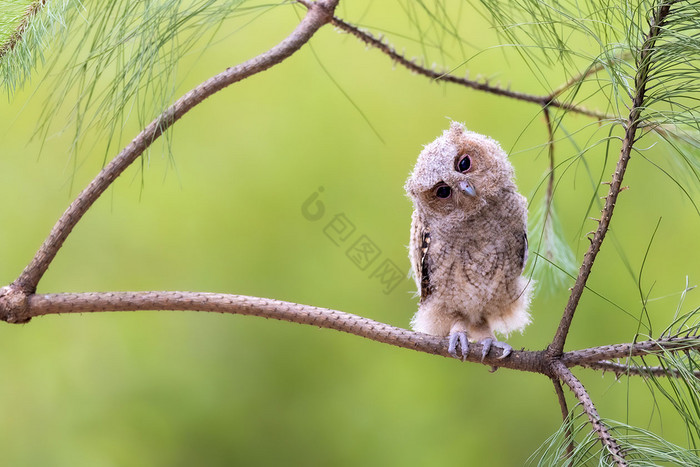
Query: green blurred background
x=223, y=214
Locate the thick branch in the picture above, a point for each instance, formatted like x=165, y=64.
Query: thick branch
x=557, y=345
x=319, y=13
x=531, y=361
x=543, y=101
x=599, y=428
x=39, y=304
x=14, y=39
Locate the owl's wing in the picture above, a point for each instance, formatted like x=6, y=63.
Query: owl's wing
x=420, y=244
x=425, y=287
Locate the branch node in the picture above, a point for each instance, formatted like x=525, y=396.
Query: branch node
x=14, y=305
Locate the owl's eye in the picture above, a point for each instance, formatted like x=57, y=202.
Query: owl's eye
x=464, y=164
x=443, y=191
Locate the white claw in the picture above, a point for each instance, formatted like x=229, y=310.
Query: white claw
x=490, y=342
x=461, y=338
x=485, y=347
x=507, y=350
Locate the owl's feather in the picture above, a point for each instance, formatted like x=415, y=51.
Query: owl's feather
x=468, y=239
x=425, y=287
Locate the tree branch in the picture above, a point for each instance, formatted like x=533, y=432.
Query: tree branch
x=565, y=375
x=590, y=71
x=14, y=39
x=543, y=101
x=621, y=369
x=549, y=195
x=523, y=360
x=647, y=50
x=319, y=13
x=608, y=352
x=564, y=415
x=45, y=304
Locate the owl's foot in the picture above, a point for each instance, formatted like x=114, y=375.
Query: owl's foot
x=460, y=338
x=489, y=342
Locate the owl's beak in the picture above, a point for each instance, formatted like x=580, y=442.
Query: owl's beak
x=466, y=188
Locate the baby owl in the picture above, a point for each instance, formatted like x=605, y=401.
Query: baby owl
x=468, y=242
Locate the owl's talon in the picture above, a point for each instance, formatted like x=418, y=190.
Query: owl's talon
x=507, y=349
x=461, y=338
x=485, y=347
x=489, y=342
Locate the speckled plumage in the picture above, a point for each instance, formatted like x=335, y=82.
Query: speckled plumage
x=468, y=249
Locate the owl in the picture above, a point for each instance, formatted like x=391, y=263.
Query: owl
x=468, y=242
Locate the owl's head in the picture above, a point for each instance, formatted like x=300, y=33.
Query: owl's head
x=459, y=171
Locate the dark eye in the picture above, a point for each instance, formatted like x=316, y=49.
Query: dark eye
x=443, y=191
x=464, y=164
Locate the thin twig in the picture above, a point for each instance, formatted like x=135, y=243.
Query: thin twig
x=580, y=77
x=543, y=101
x=545, y=241
x=549, y=195
x=565, y=416
x=557, y=345
x=550, y=151
x=319, y=13
x=565, y=375
x=14, y=39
